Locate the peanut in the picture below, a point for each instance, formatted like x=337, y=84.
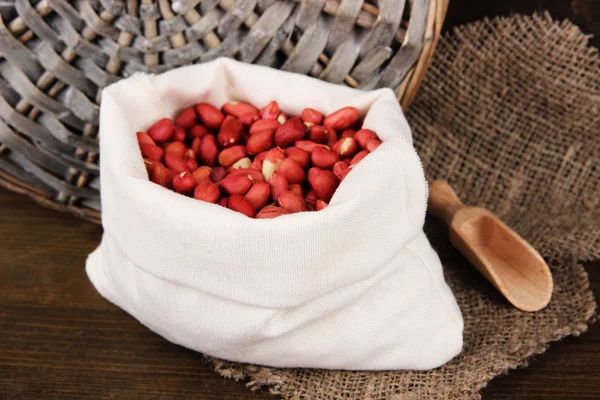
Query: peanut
x=184, y=183
x=270, y=111
x=292, y=130
x=210, y=115
x=240, y=157
x=259, y=194
x=312, y=116
x=162, y=130
x=186, y=119
x=239, y=203
x=207, y=191
x=342, y=119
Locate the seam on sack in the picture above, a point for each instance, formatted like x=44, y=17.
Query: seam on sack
x=437, y=288
x=412, y=149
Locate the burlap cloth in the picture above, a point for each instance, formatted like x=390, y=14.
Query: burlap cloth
x=509, y=114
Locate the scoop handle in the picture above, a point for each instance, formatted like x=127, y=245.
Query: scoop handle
x=443, y=202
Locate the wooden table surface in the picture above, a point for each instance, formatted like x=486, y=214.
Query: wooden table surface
x=60, y=340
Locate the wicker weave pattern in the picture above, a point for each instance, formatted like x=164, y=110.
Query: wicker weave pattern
x=57, y=55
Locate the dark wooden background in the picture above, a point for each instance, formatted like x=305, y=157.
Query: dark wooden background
x=60, y=340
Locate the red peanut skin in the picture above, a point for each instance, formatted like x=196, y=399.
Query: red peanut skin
x=271, y=212
x=318, y=134
x=152, y=151
x=274, y=155
x=230, y=155
x=230, y=132
x=363, y=136
x=264, y=125
x=358, y=158
x=320, y=205
x=197, y=131
x=162, y=130
x=175, y=163
x=325, y=184
x=144, y=138
x=208, y=150
x=372, y=144
x=259, y=194
x=196, y=146
x=150, y=165
x=239, y=203
x=312, y=173
x=207, y=191
x=311, y=200
x=324, y=158
x=177, y=148
x=223, y=201
x=291, y=201
x=217, y=174
x=248, y=119
x=296, y=188
x=311, y=115
x=342, y=119
x=348, y=133
x=261, y=156
x=190, y=160
x=332, y=138
x=270, y=111
x=160, y=175
x=260, y=141
x=308, y=145
x=257, y=176
x=292, y=171
x=186, y=119
x=257, y=164
x=179, y=135
x=238, y=108
x=202, y=173
x=298, y=155
x=210, y=115
x=236, y=184
x=289, y=132
x=340, y=169
x=278, y=185
x=346, y=147
x=184, y=183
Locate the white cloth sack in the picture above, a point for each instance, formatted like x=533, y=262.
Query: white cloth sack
x=354, y=286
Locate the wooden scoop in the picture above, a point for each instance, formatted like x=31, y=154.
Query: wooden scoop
x=499, y=253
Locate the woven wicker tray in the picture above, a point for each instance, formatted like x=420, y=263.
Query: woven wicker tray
x=57, y=55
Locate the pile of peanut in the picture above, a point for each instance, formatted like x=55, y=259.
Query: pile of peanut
x=262, y=163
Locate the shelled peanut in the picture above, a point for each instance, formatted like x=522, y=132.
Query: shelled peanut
x=260, y=162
